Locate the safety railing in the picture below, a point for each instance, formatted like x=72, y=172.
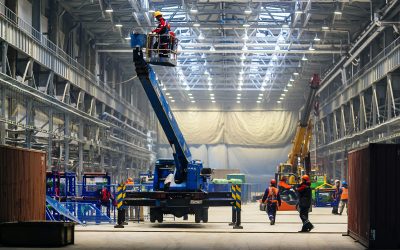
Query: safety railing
x=386, y=51
x=162, y=46
x=13, y=19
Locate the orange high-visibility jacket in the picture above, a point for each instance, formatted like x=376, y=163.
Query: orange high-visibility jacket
x=345, y=194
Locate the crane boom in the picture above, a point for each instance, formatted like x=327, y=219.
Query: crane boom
x=151, y=86
x=303, y=132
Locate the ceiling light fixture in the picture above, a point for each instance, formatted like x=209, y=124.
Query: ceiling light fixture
x=193, y=101
x=244, y=47
x=298, y=9
x=172, y=100
x=246, y=25
x=201, y=36
x=285, y=90
x=325, y=26
x=291, y=79
x=242, y=57
x=248, y=10
x=213, y=101
x=109, y=9
x=258, y=101
x=190, y=94
x=316, y=38
x=209, y=88
x=212, y=48
x=194, y=10
x=289, y=84
x=311, y=48
x=128, y=37
x=337, y=11
x=278, y=101
x=238, y=94
x=281, y=98
x=196, y=24
x=119, y=25
x=245, y=37
x=304, y=58
x=283, y=94
x=296, y=73
x=237, y=101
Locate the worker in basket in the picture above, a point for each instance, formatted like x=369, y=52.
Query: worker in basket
x=165, y=40
x=271, y=196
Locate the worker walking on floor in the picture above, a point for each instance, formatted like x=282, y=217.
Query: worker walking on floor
x=273, y=199
x=344, y=197
x=304, y=204
x=336, y=197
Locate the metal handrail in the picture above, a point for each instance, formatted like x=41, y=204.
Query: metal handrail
x=16, y=21
x=383, y=54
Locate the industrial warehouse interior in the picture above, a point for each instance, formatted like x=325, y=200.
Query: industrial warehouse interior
x=199, y=124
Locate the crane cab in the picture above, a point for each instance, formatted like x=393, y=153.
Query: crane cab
x=160, y=49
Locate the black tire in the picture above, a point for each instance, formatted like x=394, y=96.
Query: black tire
x=205, y=215
x=197, y=216
x=152, y=215
x=160, y=216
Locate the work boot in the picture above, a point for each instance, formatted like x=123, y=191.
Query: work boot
x=272, y=222
x=303, y=230
x=310, y=227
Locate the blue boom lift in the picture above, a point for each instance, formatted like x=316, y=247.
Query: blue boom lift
x=187, y=194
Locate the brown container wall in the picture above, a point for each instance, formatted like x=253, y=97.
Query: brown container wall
x=22, y=184
x=358, y=222
x=374, y=200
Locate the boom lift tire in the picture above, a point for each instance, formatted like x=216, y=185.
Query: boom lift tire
x=152, y=215
x=198, y=216
x=205, y=215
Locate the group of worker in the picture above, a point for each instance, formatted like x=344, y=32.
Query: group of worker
x=273, y=200
x=341, y=197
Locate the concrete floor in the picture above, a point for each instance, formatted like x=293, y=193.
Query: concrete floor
x=256, y=233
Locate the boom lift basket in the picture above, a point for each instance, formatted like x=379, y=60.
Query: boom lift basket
x=160, y=49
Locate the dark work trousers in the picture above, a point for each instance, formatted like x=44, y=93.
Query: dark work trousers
x=304, y=218
x=271, y=211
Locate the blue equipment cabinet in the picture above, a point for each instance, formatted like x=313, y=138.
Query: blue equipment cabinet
x=188, y=193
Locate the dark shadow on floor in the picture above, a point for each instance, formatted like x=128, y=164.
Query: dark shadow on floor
x=177, y=225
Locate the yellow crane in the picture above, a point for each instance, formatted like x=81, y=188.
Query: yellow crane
x=299, y=156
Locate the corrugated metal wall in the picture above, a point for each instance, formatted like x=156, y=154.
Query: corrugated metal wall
x=358, y=219
x=22, y=184
x=374, y=195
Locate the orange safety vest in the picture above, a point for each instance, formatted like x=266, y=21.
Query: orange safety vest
x=284, y=185
x=272, y=195
x=345, y=194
